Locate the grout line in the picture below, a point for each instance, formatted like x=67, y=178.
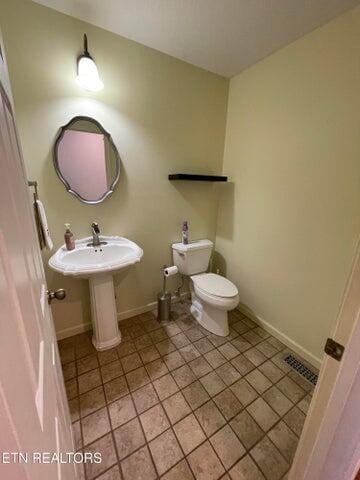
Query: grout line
x=197, y=379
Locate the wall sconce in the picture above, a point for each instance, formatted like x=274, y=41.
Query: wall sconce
x=87, y=72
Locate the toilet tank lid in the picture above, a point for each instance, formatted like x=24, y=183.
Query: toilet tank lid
x=195, y=245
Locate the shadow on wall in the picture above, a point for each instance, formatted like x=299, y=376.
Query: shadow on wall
x=225, y=224
x=218, y=263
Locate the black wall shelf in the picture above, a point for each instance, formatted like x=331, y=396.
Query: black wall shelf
x=198, y=178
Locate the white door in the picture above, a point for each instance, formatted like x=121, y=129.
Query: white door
x=329, y=447
x=34, y=414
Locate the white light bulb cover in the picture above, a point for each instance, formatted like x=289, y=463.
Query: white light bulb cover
x=88, y=75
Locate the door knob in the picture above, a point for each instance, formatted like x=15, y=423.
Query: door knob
x=59, y=294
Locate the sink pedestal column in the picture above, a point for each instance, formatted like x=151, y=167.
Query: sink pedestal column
x=106, y=332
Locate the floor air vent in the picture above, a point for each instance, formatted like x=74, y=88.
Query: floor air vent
x=300, y=368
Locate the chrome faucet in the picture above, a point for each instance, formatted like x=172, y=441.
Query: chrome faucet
x=95, y=230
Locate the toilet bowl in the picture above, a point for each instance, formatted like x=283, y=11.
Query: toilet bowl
x=212, y=296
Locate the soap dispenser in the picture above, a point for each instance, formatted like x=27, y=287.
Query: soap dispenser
x=185, y=232
x=69, y=238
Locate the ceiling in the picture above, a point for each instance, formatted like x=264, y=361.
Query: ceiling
x=222, y=36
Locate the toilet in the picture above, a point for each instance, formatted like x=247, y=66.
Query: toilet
x=211, y=295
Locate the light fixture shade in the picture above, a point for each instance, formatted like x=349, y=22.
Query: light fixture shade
x=88, y=75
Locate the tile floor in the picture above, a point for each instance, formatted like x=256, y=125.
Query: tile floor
x=176, y=402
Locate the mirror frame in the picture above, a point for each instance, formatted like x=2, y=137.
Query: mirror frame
x=56, y=161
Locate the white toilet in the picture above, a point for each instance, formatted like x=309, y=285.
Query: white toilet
x=212, y=295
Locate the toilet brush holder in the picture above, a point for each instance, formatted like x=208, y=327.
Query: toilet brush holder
x=164, y=302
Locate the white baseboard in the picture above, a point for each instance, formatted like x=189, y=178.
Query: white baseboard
x=310, y=357
x=69, y=332
x=84, y=327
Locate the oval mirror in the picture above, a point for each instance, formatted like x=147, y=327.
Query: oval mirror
x=86, y=160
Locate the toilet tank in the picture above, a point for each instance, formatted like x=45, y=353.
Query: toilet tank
x=192, y=258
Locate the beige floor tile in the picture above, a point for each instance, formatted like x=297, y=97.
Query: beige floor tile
x=205, y=464
x=285, y=440
x=69, y=370
x=71, y=388
x=276, y=343
x=89, y=380
x=144, y=398
x=212, y=383
x=156, y=369
x=258, y=381
x=176, y=407
x=181, y=471
x=300, y=380
x=215, y=358
x=252, y=337
x=165, y=451
x=173, y=360
x=270, y=461
x=267, y=349
x=151, y=325
x=203, y=345
x=158, y=335
x=189, y=352
x=107, y=356
x=246, y=429
x=74, y=409
x=195, y=395
x=165, y=386
x=228, y=350
x=242, y=365
x=67, y=355
x=189, y=433
x=105, y=446
x=154, y=421
x=137, y=378
x=263, y=414
x=138, y=466
x=183, y=376
x=304, y=404
x=261, y=332
x=77, y=435
x=228, y=404
x=131, y=362
x=246, y=469
x=143, y=341
x=95, y=425
x=180, y=340
x=295, y=419
x=240, y=327
x=125, y=348
x=277, y=401
x=271, y=371
x=241, y=344
x=172, y=330
x=216, y=340
x=121, y=411
x=255, y=356
x=165, y=347
x=115, y=389
x=92, y=401
x=244, y=392
x=111, y=371
x=291, y=389
x=210, y=417
x=112, y=474
x=228, y=373
x=87, y=363
x=149, y=354
x=227, y=446
x=194, y=334
x=200, y=367
x=128, y=438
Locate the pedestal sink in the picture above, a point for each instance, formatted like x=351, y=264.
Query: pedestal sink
x=99, y=264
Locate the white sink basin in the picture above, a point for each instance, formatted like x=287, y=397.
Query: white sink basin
x=85, y=260
x=99, y=264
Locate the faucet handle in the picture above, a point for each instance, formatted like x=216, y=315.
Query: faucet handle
x=95, y=227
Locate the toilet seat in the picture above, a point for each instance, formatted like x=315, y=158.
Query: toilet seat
x=215, y=285
x=216, y=290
